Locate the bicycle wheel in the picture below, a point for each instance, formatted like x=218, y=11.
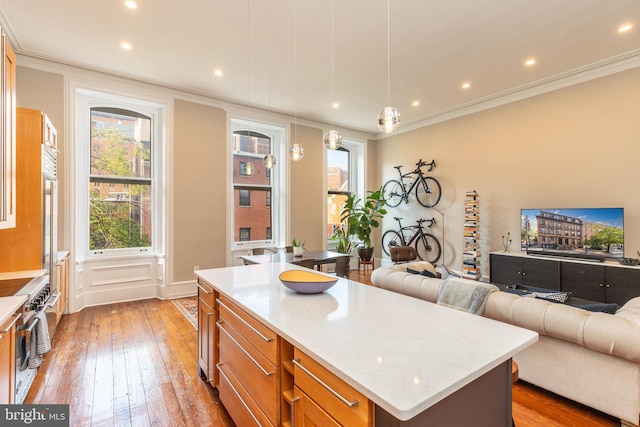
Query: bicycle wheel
x=393, y=191
x=391, y=239
x=428, y=192
x=428, y=248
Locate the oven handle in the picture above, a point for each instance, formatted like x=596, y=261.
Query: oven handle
x=30, y=328
x=15, y=319
x=55, y=300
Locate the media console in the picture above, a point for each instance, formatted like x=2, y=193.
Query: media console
x=606, y=282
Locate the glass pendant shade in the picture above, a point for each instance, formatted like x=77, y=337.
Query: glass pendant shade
x=333, y=140
x=388, y=119
x=248, y=168
x=296, y=152
x=269, y=161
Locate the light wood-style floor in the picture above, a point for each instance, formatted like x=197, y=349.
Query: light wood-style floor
x=135, y=364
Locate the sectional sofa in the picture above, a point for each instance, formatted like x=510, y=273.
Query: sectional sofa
x=589, y=357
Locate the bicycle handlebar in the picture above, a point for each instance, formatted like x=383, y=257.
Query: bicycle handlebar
x=422, y=163
x=430, y=221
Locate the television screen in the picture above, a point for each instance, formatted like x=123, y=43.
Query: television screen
x=588, y=232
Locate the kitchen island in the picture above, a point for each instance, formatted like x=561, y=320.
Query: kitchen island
x=412, y=361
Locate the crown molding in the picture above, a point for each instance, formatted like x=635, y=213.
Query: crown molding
x=616, y=64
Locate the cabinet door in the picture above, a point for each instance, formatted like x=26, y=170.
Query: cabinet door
x=206, y=340
x=584, y=280
x=7, y=135
x=7, y=361
x=622, y=284
x=542, y=273
x=505, y=269
x=308, y=414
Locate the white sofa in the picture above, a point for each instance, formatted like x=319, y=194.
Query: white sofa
x=589, y=357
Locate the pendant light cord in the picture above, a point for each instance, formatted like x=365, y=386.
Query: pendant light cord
x=388, y=55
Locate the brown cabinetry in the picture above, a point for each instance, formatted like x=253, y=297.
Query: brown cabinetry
x=8, y=211
x=62, y=280
x=324, y=399
x=207, y=356
x=8, y=360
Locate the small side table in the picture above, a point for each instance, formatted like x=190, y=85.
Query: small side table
x=364, y=264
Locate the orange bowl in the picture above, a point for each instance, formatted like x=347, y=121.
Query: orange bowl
x=306, y=282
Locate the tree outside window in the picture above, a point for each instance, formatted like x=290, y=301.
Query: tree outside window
x=120, y=179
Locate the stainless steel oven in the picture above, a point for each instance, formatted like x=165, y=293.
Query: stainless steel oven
x=38, y=294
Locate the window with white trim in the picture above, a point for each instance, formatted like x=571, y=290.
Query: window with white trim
x=118, y=145
x=257, y=196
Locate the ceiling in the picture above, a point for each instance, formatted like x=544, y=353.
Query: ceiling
x=277, y=55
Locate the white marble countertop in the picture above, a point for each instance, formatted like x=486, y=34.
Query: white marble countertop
x=9, y=305
x=403, y=353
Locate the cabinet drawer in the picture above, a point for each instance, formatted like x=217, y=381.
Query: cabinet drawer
x=255, y=372
x=260, y=336
x=308, y=414
x=237, y=401
x=205, y=293
x=348, y=406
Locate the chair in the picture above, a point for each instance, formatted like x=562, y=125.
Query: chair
x=342, y=265
x=308, y=263
x=288, y=249
x=261, y=251
x=402, y=254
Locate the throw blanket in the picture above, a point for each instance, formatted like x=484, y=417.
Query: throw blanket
x=465, y=295
x=40, y=340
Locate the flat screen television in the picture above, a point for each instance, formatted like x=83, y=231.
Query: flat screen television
x=590, y=233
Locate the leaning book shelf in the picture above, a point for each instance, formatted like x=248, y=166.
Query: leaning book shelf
x=471, y=234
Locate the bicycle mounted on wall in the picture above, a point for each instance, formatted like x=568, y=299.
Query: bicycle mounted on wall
x=427, y=188
x=427, y=245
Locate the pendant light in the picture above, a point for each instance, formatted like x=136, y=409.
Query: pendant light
x=388, y=118
x=296, y=152
x=332, y=139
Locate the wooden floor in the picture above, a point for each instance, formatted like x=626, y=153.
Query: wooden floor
x=135, y=364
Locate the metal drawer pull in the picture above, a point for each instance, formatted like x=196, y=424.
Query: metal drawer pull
x=203, y=289
x=293, y=411
x=30, y=328
x=237, y=394
x=244, y=351
x=245, y=322
x=325, y=385
x=15, y=319
x=55, y=300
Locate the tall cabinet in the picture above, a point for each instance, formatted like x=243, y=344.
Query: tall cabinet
x=23, y=247
x=7, y=134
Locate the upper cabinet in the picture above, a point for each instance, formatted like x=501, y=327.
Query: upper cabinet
x=7, y=134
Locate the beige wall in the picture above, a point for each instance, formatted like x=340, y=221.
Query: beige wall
x=44, y=91
x=574, y=147
x=308, y=202
x=199, y=189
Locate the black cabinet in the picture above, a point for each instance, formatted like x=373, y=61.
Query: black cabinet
x=609, y=283
x=516, y=270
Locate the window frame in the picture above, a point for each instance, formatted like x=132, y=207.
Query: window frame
x=279, y=190
x=87, y=99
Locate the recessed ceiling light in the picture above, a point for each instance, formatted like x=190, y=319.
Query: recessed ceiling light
x=131, y=4
x=218, y=72
x=624, y=28
x=415, y=103
x=466, y=85
x=126, y=45
x=335, y=105
x=529, y=62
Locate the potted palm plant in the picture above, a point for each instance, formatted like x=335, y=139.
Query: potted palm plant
x=362, y=217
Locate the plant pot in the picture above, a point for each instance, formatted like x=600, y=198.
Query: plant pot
x=365, y=254
x=298, y=250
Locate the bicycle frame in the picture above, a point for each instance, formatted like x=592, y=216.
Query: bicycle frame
x=418, y=178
